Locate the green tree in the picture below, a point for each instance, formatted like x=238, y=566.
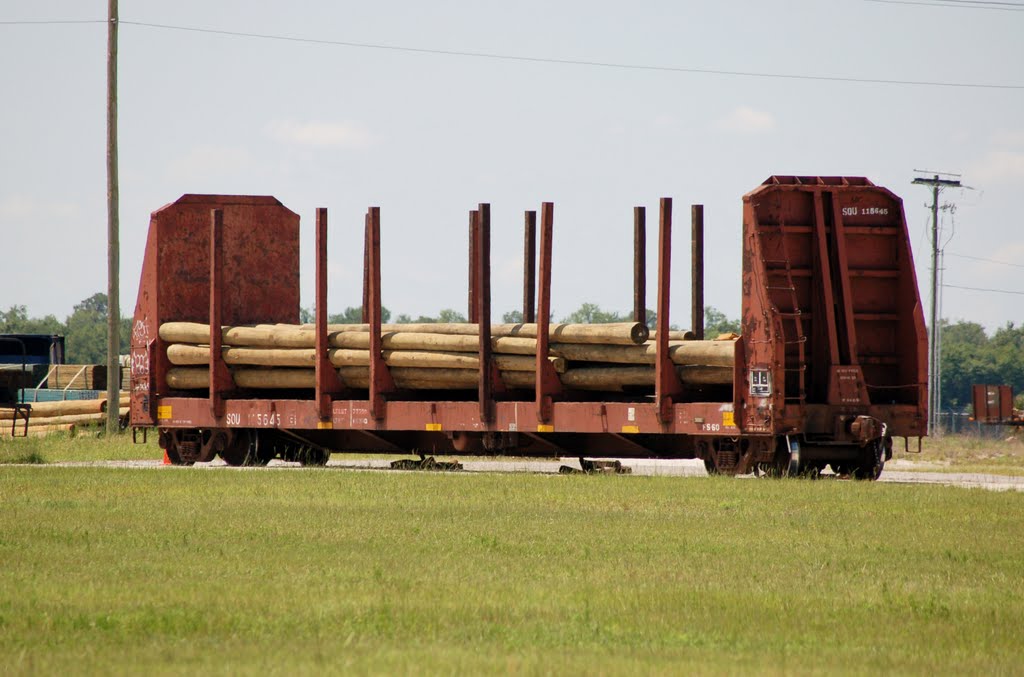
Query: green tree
x=86, y=338
x=16, y=321
x=446, y=316
x=354, y=315
x=716, y=322
x=970, y=356
x=591, y=313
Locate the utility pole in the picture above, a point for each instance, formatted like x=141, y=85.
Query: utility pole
x=934, y=370
x=113, y=248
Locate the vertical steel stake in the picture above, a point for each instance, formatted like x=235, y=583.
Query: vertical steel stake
x=547, y=382
x=380, y=376
x=529, y=265
x=640, y=265
x=220, y=377
x=327, y=381
x=667, y=384
x=697, y=270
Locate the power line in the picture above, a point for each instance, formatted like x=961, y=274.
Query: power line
x=565, y=62
x=993, y=291
x=981, y=258
x=572, y=62
x=957, y=4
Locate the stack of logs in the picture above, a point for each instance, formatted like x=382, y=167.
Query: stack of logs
x=63, y=416
x=596, y=357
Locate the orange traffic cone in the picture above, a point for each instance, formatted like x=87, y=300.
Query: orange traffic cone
x=166, y=461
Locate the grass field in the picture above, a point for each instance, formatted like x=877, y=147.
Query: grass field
x=1002, y=454
x=117, y=570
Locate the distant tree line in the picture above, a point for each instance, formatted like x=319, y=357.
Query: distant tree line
x=84, y=330
x=970, y=356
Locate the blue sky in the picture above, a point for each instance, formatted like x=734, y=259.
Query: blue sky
x=428, y=136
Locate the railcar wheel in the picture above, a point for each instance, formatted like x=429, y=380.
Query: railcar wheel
x=182, y=447
x=174, y=456
x=872, y=461
x=245, y=449
x=314, y=457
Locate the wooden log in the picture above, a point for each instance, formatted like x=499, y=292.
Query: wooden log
x=434, y=342
x=615, y=333
x=37, y=431
x=447, y=328
x=98, y=417
x=194, y=333
x=63, y=408
x=78, y=377
x=708, y=353
x=180, y=354
x=620, y=333
x=410, y=378
x=611, y=379
x=615, y=378
x=704, y=375
x=291, y=335
x=675, y=335
x=416, y=378
x=607, y=378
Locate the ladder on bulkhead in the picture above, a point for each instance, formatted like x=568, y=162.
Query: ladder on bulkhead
x=795, y=315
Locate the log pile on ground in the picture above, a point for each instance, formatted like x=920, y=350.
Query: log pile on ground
x=63, y=416
x=597, y=357
x=78, y=377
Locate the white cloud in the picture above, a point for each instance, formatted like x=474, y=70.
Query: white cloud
x=1009, y=138
x=25, y=207
x=999, y=166
x=746, y=120
x=321, y=134
x=209, y=163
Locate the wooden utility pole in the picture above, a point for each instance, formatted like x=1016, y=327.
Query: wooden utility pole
x=934, y=369
x=113, y=253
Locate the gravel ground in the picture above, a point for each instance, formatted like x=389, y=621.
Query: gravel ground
x=905, y=474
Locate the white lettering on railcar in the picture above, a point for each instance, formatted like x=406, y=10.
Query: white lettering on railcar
x=865, y=211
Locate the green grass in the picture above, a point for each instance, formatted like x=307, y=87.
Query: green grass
x=183, y=570
x=1002, y=455
x=86, y=444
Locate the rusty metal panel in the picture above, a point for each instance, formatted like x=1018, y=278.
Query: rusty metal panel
x=622, y=418
x=259, y=235
x=992, y=403
x=830, y=300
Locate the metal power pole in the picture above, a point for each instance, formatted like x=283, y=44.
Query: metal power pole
x=934, y=369
x=113, y=253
